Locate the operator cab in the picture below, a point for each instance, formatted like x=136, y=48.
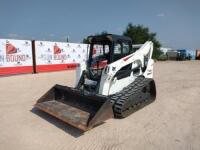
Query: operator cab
x=105, y=49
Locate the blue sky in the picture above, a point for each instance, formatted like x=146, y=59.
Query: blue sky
x=176, y=22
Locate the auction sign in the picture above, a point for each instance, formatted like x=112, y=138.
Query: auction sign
x=54, y=56
x=15, y=57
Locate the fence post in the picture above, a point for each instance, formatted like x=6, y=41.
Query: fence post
x=33, y=54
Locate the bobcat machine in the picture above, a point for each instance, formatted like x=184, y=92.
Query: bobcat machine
x=116, y=81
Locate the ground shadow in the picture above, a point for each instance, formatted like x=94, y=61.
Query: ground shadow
x=58, y=123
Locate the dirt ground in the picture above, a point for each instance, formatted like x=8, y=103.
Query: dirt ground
x=171, y=122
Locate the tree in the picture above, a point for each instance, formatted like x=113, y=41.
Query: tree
x=86, y=40
x=140, y=34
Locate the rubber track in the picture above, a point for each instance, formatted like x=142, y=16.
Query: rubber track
x=131, y=98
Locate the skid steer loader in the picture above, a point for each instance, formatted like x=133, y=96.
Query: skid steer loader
x=116, y=80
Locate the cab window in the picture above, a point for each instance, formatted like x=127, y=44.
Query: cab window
x=121, y=49
x=126, y=48
x=117, y=54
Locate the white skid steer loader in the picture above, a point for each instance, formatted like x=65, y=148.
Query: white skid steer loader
x=116, y=81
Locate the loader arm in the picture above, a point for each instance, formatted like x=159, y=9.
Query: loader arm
x=140, y=60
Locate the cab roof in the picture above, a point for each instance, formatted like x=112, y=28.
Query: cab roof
x=108, y=37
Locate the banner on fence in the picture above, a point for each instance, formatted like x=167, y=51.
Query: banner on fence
x=53, y=56
x=15, y=56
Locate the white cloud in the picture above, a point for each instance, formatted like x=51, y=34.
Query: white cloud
x=160, y=15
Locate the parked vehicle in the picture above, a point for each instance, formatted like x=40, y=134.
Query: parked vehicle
x=198, y=54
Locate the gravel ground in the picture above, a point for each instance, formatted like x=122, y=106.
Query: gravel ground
x=171, y=122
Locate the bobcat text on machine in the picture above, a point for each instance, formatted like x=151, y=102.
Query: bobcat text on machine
x=116, y=80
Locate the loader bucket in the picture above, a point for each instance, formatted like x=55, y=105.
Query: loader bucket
x=75, y=108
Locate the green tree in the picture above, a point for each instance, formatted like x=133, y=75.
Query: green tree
x=140, y=34
x=86, y=41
